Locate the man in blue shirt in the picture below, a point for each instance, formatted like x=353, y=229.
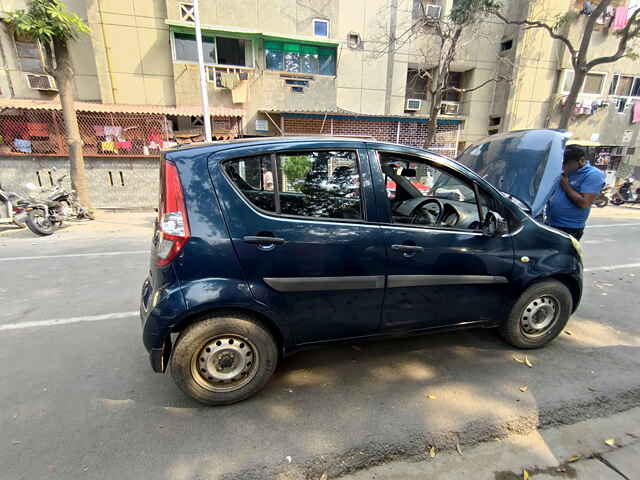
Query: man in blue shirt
x=579, y=185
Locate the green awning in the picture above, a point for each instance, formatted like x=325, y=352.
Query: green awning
x=214, y=31
x=318, y=43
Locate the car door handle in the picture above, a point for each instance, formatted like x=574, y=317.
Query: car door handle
x=407, y=248
x=263, y=240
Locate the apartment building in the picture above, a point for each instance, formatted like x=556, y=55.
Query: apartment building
x=277, y=67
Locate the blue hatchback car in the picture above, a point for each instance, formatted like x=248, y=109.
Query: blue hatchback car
x=267, y=246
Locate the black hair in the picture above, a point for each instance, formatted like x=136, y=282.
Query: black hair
x=573, y=153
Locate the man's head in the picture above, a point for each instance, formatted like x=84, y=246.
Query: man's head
x=573, y=158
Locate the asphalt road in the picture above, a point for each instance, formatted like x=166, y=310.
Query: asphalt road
x=79, y=400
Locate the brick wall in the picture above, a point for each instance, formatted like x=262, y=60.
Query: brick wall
x=411, y=133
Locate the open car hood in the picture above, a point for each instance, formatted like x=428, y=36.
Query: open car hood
x=525, y=164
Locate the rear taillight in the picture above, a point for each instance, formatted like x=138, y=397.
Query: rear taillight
x=174, y=222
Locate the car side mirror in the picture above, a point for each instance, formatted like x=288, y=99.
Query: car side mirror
x=494, y=224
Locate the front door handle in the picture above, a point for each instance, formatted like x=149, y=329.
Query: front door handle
x=263, y=240
x=407, y=248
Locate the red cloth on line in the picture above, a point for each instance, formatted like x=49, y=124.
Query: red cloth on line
x=155, y=137
x=14, y=129
x=125, y=145
x=636, y=113
x=620, y=18
x=37, y=129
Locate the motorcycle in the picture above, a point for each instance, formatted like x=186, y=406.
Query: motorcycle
x=12, y=208
x=624, y=193
x=602, y=200
x=46, y=216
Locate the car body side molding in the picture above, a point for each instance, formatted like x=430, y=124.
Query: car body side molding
x=310, y=284
x=432, y=280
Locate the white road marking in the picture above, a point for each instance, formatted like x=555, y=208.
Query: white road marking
x=66, y=321
x=612, y=267
x=614, y=225
x=71, y=255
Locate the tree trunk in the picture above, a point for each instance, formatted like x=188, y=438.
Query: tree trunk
x=432, y=126
x=570, y=103
x=64, y=74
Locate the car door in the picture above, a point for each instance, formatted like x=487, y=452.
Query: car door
x=441, y=269
x=297, y=218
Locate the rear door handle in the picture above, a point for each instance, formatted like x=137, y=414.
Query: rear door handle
x=263, y=240
x=407, y=248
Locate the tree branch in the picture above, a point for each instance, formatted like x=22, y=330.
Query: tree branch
x=536, y=24
x=627, y=33
x=499, y=78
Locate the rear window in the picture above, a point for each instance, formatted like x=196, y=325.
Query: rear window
x=319, y=184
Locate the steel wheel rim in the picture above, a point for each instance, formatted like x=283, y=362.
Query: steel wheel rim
x=539, y=316
x=225, y=363
x=42, y=221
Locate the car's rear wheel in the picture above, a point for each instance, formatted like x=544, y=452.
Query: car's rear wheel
x=224, y=359
x=539, y=315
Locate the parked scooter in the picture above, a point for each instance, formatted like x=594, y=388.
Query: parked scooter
x=46, y=216
x=12, y=208
x=624, y=194
x=602, y=200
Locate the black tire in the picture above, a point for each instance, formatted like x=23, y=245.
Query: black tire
x=601, y=202
x=193, y=342
x=515, y=329
x=617, y=201
x=39, y=224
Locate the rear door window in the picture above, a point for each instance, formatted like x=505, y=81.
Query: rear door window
x=318, y=184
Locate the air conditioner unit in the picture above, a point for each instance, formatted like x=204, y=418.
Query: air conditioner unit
x=413, y=104
x=41, y=82
x=450, y=108
x=432, y=11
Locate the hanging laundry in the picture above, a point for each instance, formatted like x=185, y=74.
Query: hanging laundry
x=113, y=131
x=169, y=144
x=37, y=129
x=154, y=137
x=229, y=80
x=124, y=145
x=99, y=129
x=636, y=113
x=23, y=146
x=620, y=18
x=14, y=129
x=108, y=146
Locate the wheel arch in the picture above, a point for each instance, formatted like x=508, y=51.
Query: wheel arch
x=272, y=327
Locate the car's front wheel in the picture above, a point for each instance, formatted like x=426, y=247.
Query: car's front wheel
x=539, y=315
x=224, y=359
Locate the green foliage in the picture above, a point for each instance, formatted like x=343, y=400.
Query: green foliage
x=467, y=11
x=564, y=19
x=296, y=168
x=46, y=20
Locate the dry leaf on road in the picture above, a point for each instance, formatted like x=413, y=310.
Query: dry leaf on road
x=324, y=476
x=611, y=442
x=524, y=388
x=527, y=362
x=517, y=359
x=431, y=396
x=525, y=475
x=458, y=447
x=568, y=332
x=574, y=458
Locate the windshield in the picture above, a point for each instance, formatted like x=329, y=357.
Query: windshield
x=514, y=165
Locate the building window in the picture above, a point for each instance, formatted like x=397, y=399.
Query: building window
x=187, y=13
x=593, y=83
x=626, y=88
x=28, y=54
x=506, y=45
x=320, y=27
x=217, y=50
x=297, y=58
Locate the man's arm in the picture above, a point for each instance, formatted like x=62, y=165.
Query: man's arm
x=580, y=200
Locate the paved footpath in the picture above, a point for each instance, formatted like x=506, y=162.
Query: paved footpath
x=598, y=449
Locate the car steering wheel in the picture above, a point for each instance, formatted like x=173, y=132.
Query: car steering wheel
x=420, y=213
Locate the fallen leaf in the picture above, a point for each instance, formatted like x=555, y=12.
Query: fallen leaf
x=16, y=442
x=432, y=451
x=611, y=442
x=574, y=458
x=525, y=475
x=527, y=362
x=592, y=389
x=458, y=447
x=561, y=470
x=356, y=348
x=519, y=360
x=524, y=388
x=568, y=332
x=431, y=396
x=324, y=476
x=288, y=458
